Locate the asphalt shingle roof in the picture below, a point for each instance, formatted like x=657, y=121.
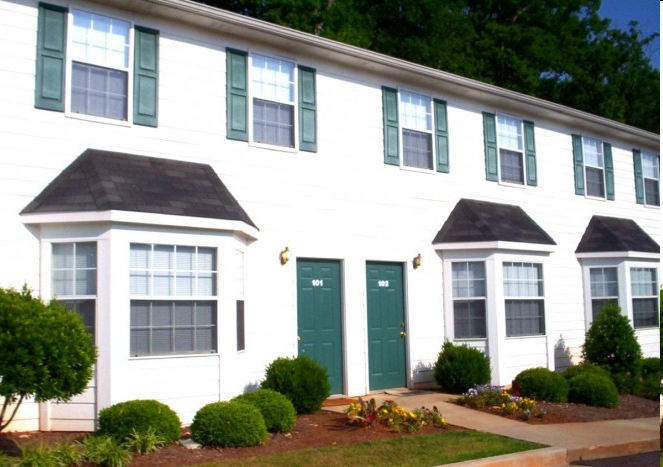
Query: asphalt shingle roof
x=611, y=234
x=103, y=180
x=482, y=221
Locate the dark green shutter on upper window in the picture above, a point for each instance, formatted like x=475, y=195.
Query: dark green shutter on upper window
x=146, y=76
x=530, y=153
x=51, y=47
x=609, y=172
x=390, y=123
x=237, y=95
x=578, y=167
x=308, y=129
x=490, y=145
x=441, y=136
x=639, y=182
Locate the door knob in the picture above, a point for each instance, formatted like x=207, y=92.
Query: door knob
x=403, y=333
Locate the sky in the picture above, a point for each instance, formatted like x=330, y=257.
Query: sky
x=646, y=12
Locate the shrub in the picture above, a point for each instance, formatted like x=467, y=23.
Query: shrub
x=650, y=383
x=593, y=389
x=542, y=384
x=276, y=409
x=575, y=370
x=302, y=380
x=651, y=366
x=126, y=419
x=459, y=367
x=228, y=424
x=106, y=451
x=610, y=342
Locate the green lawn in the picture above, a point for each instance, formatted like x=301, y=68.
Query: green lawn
x=423, y=451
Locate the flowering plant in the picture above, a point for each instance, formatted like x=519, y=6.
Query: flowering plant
x=482, y=396
x=394, y=417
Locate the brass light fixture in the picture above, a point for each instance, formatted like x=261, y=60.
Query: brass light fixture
x=416, y=261
x=284, y=256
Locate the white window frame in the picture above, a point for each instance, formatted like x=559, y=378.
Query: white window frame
x=405, y=123
x=470, y=298
x=600, y=166
x=128, y=69
x=654, y=296
x=521, y=150
x=255, y=95
x=540, y=296
x=603, y=284
x=656, y=169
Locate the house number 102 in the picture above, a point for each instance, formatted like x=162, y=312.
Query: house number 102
x=383, y=283
x=317, y=282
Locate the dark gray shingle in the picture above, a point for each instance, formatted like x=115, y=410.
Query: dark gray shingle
x=611, y=234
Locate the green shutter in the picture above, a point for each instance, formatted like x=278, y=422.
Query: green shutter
x=530, y=153
x=51, y=47
x=578, y=166
x=490, y=145
x=639, y=181
x=237, y=95
x=390, y=118
x=146, y=76
x=441, y=136
x=308, y=127
x=609, y=172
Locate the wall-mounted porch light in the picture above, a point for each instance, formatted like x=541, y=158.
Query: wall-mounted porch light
x=416, y=261
x=284, y=256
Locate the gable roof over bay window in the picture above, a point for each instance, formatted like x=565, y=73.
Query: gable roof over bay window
x=612, y=234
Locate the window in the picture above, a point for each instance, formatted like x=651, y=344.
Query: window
x=415, y=130
x=647, y=178
x=523, y=293
x=173, y=305
x=281, y=96
x=92, y=55
x=239, y=304
x=510, y=150
x=644, y=293
x=74, y=279
x=604, y=288
x=594, y=174
x=469, y=298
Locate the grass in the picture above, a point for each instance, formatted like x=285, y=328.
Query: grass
x=424, y=451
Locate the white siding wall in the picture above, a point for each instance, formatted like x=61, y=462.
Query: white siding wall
x=340, y=203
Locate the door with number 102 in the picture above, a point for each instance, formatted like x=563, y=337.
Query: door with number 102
x=319, y=317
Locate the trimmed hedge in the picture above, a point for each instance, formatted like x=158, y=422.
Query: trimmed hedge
x=542, y=384
x=119, y=420
x=276, y=409
x=593, y=389
x=228, y=424
x=460, y=367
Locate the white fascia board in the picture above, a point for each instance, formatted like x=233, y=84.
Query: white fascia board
x=619, y=254
x=246, y=28
x=496, y=245
x=142, y=218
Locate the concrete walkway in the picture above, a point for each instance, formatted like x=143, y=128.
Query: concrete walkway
x=568, y=442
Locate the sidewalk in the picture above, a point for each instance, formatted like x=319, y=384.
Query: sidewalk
x=568, y=441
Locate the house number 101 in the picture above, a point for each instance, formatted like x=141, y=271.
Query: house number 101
x=317, y=282
x=383, y=283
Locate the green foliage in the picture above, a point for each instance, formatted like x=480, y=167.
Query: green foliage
x=302, y=380
x=593, y=389
x=124, y=420
x=392, y=416
x=460, y=367
x=46, y=351
x=106, y=451
x=228, y=424
x=38, y=455
x=276, y=409
x=610, y=342
x=145, y=442
x=542, y=384
x=581, y=368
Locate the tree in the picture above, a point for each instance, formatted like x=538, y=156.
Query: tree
x=45, y=352
x=558, y=50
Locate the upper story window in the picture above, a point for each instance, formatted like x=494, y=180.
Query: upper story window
x=594, y=174
x=276, y=96
x=74, y=279
x=604, y=288
x=647, y=167
x=415, y=130
x=173, y=299
x=510, y=149
x=469, y=299
x=523, y=294
x=97, y=66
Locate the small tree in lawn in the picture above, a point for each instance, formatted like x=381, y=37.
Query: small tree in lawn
x=45, y=352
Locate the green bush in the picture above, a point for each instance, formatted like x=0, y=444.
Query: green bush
x=228, y=424
x=302, y=380
x=124, y=420
x=460, y=367
x=106, y=451
x=593, y=389
x=651, y=366
x=610, y=342
x=276, y=409
x=575, y=370
x=542, y=384
x=649, y=385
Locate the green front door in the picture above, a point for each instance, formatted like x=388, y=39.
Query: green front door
x=319, y=316
x=386, y=325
